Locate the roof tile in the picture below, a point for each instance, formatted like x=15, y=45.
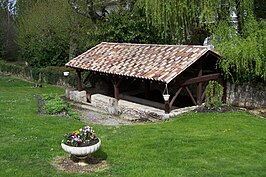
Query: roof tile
x=148, y=61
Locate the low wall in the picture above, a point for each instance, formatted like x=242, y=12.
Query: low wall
x=125, y=108
x=246, y=95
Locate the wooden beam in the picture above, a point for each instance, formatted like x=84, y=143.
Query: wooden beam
x=199, y=87
x=88, y=78
x=166, y=107
x=201, y=79
x=203, y=95
x=174, y=98
x=79, y=80
x=191, y=96
x=116, y=84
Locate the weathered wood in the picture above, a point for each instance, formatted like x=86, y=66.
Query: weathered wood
x=116, y=82
x=199, y=87
x=88, y=78
x=166, y=107
x=201, y=79
x=116, y=92
x=191, y=96
x=79, y=80
x=174, y=98
x=203, y=96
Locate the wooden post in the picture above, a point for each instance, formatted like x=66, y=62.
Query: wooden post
x=116, y=84
x=116, y=91
x=79, y=80
x=199, y=88
x=167, y=107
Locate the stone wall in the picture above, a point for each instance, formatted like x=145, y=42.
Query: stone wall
x=246, y=95
x=78, y=96
x=125, y=108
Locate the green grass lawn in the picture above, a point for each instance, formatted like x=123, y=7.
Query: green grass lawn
x=194, y=144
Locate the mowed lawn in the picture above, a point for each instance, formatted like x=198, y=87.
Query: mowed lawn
x=194, y=144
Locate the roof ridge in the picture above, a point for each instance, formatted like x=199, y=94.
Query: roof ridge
x=159, y=45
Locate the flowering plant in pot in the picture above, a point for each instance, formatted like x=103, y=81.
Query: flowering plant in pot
x=81, y=142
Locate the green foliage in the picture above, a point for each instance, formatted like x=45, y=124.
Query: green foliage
x=243, y=55
x=128, y=27
x=176, y=19
x=259, y=9
x=214, y=94
x=50, y=75
x=42, y=36
x=10, y=68
x=179, y=20
x=73, y=114
x=45, y=31
x=8, y=46
x=54, y=104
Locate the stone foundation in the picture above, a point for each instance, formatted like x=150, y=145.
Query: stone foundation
x=78, y=96
x=246, y=95
x=125, y=108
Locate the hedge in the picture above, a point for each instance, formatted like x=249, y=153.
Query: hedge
x=50, y=75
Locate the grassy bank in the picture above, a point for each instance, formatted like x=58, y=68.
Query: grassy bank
x=195, y=144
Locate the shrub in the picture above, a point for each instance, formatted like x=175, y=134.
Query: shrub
x=50, y=75
x=214, y=94
x=54, y=104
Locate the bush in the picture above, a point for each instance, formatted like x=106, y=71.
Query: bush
x=55, y=105
x=214, y=94
x=50, y=75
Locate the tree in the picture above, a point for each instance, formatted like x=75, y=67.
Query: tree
x=243, y=56
x=177, y=19
x=98, y=9
x=44, y=32
x=240, y=42
x=125, y=27
x=8, y=46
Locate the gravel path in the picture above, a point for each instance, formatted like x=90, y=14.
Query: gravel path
x=103, y=119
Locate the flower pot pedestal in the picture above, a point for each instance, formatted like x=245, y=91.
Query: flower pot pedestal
x=81, y=153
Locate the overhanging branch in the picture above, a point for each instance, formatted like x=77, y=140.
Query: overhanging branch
x=90, y=11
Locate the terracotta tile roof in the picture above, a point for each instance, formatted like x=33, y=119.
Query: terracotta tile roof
x=148, y=61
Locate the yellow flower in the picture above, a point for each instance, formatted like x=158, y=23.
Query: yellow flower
x=76, y=132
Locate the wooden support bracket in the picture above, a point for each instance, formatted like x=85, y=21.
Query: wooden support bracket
x=88, y=77
x=191, y=96
x=174, y=98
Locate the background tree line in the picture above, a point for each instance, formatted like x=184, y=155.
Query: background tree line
x=50, y=32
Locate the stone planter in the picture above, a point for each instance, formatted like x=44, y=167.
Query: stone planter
x=81, y=151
